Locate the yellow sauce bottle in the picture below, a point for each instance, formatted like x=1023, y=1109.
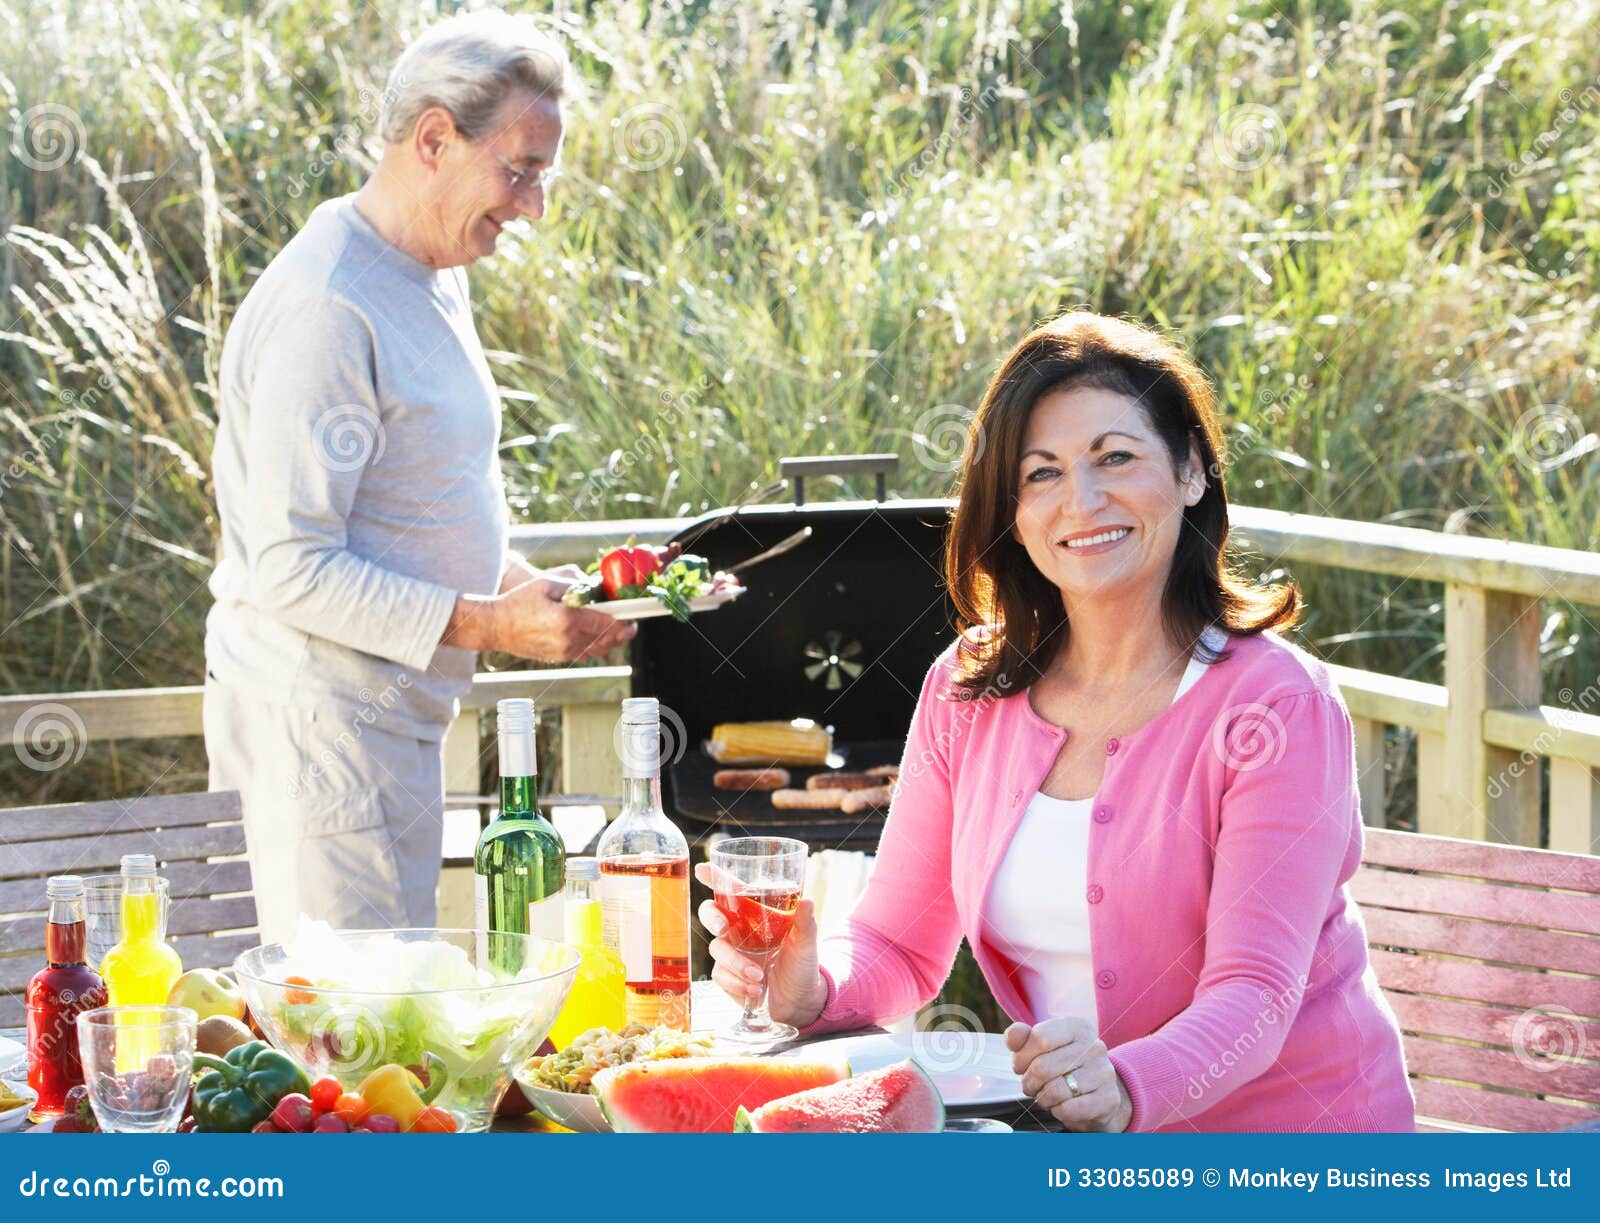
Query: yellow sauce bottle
x=141, y=968
x=599, y=992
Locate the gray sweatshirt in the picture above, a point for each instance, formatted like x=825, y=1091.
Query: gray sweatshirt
x=358, y=481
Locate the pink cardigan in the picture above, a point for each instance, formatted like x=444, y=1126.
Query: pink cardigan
x=1233, y=986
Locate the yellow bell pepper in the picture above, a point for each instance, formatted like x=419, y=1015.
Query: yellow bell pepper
x=395, y=1091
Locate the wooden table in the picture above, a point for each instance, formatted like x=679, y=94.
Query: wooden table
x=714, y=1010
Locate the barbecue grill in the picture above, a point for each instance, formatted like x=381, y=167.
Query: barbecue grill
x=841, y=628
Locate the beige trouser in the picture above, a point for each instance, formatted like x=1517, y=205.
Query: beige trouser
x=343, y=822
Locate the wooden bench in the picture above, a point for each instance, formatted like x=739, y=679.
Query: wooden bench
x=198, y=841
x=1490, y=957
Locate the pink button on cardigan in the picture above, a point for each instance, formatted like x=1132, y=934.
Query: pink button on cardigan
x=1233, y=986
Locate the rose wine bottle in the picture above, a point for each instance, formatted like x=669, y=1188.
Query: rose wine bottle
x=644, y=880
x=56, y=995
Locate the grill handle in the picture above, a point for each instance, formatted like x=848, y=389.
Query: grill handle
x=879, y=465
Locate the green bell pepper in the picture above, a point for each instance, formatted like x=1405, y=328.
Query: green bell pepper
x=240, y=1090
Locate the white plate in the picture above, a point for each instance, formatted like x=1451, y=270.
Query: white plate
x=644, y=609
x=975, y=1125
x=11, y=1120
x=13, y=1059
x=970, y=1069
x=575, y=1111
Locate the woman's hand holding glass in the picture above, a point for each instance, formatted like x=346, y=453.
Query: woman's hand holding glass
x=1045, y=1053
x=794, y=986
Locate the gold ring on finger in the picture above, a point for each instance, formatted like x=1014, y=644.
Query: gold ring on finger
x=1072, y=1085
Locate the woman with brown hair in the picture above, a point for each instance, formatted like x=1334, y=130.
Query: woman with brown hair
x=1135, y=800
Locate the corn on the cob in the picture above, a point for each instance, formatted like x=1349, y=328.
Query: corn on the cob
x=799, y=742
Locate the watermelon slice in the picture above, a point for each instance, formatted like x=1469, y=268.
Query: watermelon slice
x=702, y=1095
x=899, y=1099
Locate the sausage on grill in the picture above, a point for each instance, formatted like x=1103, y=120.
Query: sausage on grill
x=842, y=781
x=858, y=801
x=808, y=800
x=750, y=779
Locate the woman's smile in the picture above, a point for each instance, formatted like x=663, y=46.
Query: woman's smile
x=1093, y=543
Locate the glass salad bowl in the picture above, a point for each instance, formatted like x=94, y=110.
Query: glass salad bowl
x=344, y=1002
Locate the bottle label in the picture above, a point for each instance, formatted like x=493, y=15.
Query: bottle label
x=546, y=918
x=518, y=755
x=625, y=920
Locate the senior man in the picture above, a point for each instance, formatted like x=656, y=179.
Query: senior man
x=364, y=525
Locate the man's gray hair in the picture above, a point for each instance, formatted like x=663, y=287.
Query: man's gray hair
x=469, y=64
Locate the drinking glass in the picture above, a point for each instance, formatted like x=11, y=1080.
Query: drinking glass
x=137, y=1063
x=756, y=885
x=102, y=911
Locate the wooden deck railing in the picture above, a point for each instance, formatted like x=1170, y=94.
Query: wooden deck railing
x=1482, y=736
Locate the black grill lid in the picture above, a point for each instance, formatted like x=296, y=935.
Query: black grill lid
x=841, y=629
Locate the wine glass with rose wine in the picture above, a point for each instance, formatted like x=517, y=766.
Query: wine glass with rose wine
x=756, y=886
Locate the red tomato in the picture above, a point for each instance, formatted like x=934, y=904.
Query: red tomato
x=351, y=1109
x=325, y=1093
x=294, y=997
x=434, y=1120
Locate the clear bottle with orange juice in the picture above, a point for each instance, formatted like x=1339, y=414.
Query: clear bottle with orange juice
x=644, y=880
x=599, y=990
x=141, y=969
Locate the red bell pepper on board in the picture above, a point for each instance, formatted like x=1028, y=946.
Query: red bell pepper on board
x=632, y=565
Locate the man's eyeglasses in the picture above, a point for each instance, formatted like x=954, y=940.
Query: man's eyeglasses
x=543, y=179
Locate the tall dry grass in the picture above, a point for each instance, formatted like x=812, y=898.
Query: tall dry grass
x=803, y=228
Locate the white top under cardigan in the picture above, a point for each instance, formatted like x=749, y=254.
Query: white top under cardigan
x=1039, y=904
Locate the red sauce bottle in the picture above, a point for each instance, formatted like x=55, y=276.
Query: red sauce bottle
x=56, y=996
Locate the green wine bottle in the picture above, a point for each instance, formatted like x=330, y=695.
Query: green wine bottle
x=520, y=864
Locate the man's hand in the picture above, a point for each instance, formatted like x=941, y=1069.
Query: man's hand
x=1045, y=1053
x=530, y=621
